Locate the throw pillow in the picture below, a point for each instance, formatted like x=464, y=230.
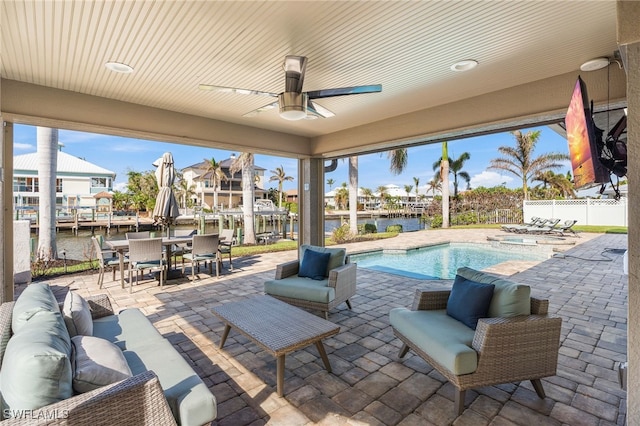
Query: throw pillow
x=36, y=368
x=96, y=362
x=469, y=301
x=36, y=298
x=314, y=265
x=77, y=315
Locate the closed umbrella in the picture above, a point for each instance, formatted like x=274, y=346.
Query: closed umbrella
x=166, y=209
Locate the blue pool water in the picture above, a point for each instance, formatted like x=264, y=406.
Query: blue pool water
x=441, y=261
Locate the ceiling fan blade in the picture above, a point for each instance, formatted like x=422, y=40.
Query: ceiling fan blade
x=294, y=68
x=257, y=111
x=355, y=90
x=224, y=89
x=318, y=110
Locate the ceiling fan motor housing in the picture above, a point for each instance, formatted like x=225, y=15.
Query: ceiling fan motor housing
x=293, y=106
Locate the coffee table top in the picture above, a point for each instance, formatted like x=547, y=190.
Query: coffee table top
x=275, y=325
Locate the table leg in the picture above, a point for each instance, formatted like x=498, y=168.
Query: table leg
x=323, y=355
x=280, y=375
x=225, y=334
x=166, y=271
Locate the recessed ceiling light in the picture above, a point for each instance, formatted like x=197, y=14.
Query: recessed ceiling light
x=465, y=65
x=595, y=64
x=119, y=67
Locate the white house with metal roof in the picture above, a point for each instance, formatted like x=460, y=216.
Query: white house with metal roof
x=77, y=182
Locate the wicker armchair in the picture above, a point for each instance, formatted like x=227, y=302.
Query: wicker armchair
x=509, y=349
x=145, y=254
x=338, y=287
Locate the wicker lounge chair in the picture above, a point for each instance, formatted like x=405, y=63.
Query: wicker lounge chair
x=507, y=348
x=545, y=228
x=565, y=228
x=511, y=227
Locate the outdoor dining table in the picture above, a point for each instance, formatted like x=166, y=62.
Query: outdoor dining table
x=121, y=246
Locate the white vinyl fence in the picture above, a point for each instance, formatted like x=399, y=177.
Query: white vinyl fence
x=588, y=211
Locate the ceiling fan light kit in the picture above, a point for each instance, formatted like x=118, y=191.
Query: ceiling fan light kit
x=293, y=103
x=293, y=106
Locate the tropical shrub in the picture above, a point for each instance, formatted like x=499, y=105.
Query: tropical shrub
x=367, y=228
x=342, y=234
x=394, y=228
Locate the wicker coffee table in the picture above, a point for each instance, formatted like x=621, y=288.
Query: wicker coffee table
x=277, y=327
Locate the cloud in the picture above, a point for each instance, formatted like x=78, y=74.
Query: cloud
x=489, y=179
x=23, y=146
x=120, y=186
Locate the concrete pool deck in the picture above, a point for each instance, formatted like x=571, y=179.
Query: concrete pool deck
x=369, y=385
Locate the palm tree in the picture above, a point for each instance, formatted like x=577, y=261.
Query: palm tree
x=185, y=192
x=367, y=193
x=408, y=189
x=382, y=191
x=434, y=185
x=244, y=162
x=330, y=182
x=416, y=182
x=341, y=196
x=216, y=175
x=455, y=168
x=399, y=158
x=279, y=175
x=444, y=178
x=353, y=194
x=47, y=141
x=520, y=161
x=557, y=183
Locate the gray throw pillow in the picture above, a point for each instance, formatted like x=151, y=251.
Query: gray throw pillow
x=77, y=315
x=96, y=362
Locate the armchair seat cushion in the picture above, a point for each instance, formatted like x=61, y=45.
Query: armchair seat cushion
x=295, y=287
x=128, y=330
x=446, y=339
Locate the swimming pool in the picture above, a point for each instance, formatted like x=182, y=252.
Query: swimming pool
x=440, y=261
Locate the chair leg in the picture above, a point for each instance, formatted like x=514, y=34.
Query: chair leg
x=459, y=402
x=403, y=351
x=348, y=304
x=326, y=315
x=537, y=385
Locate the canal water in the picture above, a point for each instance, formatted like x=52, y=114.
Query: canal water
x=78, y=247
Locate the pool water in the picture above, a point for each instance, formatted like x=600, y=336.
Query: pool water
x=441, y=261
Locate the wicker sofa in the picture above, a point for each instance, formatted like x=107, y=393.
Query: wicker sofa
x=515, y=341
x=336, y=285
x=159, y=387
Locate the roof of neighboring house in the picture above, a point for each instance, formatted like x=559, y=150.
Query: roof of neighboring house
x=67, y=163
x=291, y=192
x=103, y=194
x=224, y=164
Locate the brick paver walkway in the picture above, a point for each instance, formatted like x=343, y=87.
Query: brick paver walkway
x=369, y=385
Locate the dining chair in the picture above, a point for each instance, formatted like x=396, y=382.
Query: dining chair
x=146, y=254
x=204, y=249
x=137, y=235
x=181, y=248
x=104, y=262
x=227, y=240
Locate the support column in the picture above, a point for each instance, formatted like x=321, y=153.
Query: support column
x=311, y=201
x=629, y=43
x=6, y=212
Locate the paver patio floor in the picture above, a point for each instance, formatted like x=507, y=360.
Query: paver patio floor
x=369, y=385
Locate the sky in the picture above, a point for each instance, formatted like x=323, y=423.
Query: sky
x=121, y=155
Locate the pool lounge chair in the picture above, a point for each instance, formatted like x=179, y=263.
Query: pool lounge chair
x=545, y=228
x=522, y=228
x=565, y=228
x=511, y=227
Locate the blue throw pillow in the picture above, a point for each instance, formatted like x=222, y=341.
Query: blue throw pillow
x=314, y=265
x=469, y=301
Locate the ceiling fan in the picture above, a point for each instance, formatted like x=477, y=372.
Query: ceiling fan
x=294, y=104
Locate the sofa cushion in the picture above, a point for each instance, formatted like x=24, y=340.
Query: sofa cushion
x=96, y=362
x=130, y=329
x=510, y=299
x=314, y=265
x=296, y=287
x=445, y=339
x=469, y=301
x=338, y=255
x=36, y=369
x=77, y=315
x=37, y=297
x=189, y=398
x=477, y=276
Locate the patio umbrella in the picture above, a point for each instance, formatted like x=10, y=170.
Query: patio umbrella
x=166, y=209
